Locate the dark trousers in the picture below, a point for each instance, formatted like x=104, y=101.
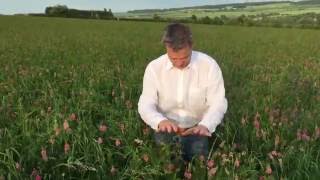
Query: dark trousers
x=191, y=145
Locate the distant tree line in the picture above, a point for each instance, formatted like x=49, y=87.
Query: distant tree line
x=308, y=20
x=64, y=11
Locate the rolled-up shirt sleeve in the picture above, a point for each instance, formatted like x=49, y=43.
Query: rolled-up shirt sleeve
x=147, y=105
x=215, y=99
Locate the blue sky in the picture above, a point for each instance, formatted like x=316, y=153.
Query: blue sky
x=38, y=6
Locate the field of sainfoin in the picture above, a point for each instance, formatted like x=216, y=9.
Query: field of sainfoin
x=69, y=90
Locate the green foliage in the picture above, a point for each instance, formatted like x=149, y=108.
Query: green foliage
x=63, y=11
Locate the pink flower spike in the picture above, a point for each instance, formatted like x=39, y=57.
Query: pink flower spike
x=73, y=117
x=113, y=170
x=44, y=155
x=103, y=128
x=210, y=163
x=145, y=158
x=256, y=121
x=117, y=142
x=305, y=135
x=38, y=177
x=212, y=171
x=188, y=174
x=100, y=140
x=237, y=163
x=268, y=170
x=65, y=125
x=66, y=148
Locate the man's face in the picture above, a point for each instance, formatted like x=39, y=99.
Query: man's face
x=180, y=58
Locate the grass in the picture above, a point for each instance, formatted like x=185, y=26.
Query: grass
x=63, y=79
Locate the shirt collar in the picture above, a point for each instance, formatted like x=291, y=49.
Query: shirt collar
x=169, y=64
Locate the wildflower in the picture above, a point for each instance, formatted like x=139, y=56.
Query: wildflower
x=256, y=121
x=212, y=171
x=73, y=117
x=117, y=142
x=65, y=125
x=146, y=131
x=44, y=155
x=188, y=174
x=237, y=163
x=274, y=153
x=210, y=163
x=100, y=140
x=38, y=177
x=35, y=174
x=268, y=170
x=49, y=109
x=261, y=178
x=57, y=131
x=103, y=128
x=66, y=148
x=305, y=135
x=145, y=157
x=113, y=170
x=18, y=166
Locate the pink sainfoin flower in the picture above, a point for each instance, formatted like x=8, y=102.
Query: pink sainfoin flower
x=57, y=131
x=212, y=171
x=145, y=158
x=117, y=142
x=66, y=148
x=100, y=140
x=66, y=125
x=73, y=117
x=44, y=155
x=113, y=170
x=188, y=174
x=38, y=177
x=103, y=128
x=210, y=163
x=237, y=163
x=305, y=135
x=256, y=121
x=268, y=170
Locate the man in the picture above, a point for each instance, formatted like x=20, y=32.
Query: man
x=183, y=94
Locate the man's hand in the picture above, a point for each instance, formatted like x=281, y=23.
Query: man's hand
x=168, y=126
x=197, y=130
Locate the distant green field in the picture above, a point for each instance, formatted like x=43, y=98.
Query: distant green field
x=69, y=90
x=281, y=8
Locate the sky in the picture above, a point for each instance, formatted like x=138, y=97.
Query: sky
x=38, y=6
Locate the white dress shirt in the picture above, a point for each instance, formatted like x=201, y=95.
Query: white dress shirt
x=190, y=96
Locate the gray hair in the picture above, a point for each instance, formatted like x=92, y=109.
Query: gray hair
x=177, y=36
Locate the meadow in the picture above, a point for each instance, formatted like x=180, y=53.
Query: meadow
x=69, y=90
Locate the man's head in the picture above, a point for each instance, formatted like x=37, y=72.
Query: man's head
x=178, y=42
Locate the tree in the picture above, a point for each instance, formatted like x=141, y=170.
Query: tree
x=194, y=17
